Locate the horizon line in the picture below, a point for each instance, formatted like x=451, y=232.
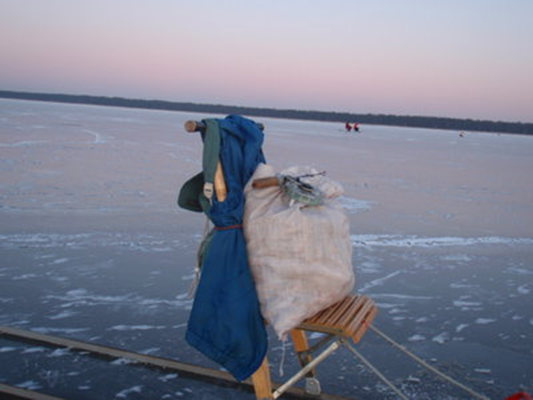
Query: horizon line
x=326, y=116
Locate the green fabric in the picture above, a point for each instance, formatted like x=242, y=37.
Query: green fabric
x=211, y=139
x=191, y=196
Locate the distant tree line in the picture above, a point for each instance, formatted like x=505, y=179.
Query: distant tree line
x=374, y=119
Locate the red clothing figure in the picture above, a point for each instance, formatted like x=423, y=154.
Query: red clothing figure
x=348, y=127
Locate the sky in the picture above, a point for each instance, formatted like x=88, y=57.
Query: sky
x=447, y=58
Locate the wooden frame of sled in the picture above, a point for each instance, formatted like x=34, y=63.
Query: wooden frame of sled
x=165, y=365
x=344, y=320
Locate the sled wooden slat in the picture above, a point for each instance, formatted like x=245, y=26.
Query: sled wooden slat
x=359, y=332
x=361, y=319
x=342, y=309
x=348, y=318
x=348, y=307
x=353, y=313
x=331, y=314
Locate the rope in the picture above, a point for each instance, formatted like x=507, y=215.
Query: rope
x=429, y=367
x=376, y=371
x=283, y=351
x=225, y=228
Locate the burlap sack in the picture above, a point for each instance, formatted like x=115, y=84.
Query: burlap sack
x=300, y=256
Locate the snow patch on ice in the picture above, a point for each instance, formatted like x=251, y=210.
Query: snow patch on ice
x=441, y=338
x=59, y=261
x=462, y=285
x=24, y=276
x=523, y=289
x=520, y=271
x=63, y=314
x=369, y=267
x=151, y=350
x=401, y=296
x=60, y=352
x=484, y=321
x=316, y=335
x=38, y=349
x=429, y=242
x=167, y=377
x=24, y=143
x=354, y=206
x=124, y=393
x=144, y=243
x=379, y=281
x=486, y=371
x=98, y=137
x=82, y=297
x=135, y=327
x=7, y=349
x=457, y=258
x=122, y=361
x=29, y=385
x=466, y=304
x=66, y=331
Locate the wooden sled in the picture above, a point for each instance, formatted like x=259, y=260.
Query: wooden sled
x=345, y=320
x=348, y=319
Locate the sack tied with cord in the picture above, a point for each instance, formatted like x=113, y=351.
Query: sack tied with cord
x=298, y=242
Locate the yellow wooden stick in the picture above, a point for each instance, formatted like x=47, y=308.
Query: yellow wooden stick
x=221, y=190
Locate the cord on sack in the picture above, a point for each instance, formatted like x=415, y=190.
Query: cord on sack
x=283, y=351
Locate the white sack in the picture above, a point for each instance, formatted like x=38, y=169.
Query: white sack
x=300, y=256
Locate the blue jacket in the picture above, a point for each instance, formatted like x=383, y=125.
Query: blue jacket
x=225, y=322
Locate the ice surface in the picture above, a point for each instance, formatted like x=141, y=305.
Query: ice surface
x=94, y=247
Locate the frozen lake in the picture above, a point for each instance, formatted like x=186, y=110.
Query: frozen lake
x=93, y=247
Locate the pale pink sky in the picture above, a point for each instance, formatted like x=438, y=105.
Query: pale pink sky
x=453, y=58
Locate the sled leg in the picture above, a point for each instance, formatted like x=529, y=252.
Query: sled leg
x=262, y=382
x=301, y=346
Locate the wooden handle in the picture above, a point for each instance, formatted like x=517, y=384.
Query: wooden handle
x=265, y=182
x=198, y=126
x=194, y=126
x=221, y=189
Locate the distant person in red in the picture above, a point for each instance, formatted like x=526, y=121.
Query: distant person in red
x=356, y=127
x=348, y=127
